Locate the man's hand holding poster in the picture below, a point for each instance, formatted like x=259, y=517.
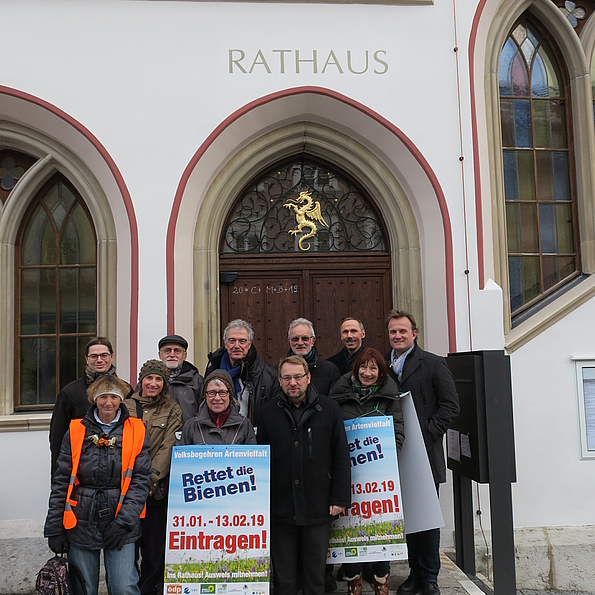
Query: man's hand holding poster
x=218, y=534
x=372, y=528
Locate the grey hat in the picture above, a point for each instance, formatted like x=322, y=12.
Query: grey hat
x=175, y=340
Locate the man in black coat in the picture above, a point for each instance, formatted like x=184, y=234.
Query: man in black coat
x=301, y=342
x=71, y=402
x=255, y=382
x=352, y=336
x=432, y=387
x=310, y=476
x=185, y=382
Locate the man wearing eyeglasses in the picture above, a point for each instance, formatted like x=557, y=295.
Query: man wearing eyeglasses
x=72, y=402
x=310, y=476
x=185, y=382
x=301, y=342
x=254, y=381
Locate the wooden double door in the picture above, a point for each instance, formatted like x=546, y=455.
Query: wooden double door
x=271, y=292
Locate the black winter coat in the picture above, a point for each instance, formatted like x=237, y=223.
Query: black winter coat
x=310, y=466
x=71, y=403
x=343, y=360
x=259, y=378
x=98, y=490
x=429, y=380
x=185, y=389
x=323, y=373
x=385, y=401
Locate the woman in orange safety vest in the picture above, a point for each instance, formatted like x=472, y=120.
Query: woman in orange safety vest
x=99, y=490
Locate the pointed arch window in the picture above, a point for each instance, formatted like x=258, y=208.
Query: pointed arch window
x=539, y=185
x=56, y=293
x=272, y=216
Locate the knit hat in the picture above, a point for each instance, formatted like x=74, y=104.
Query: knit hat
x=223, y=377
x=173, y=340
x=107, y=384
x=153, y=366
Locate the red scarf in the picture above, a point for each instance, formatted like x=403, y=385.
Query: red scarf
x=219, y=418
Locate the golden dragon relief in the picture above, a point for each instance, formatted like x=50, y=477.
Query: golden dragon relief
x=305, y=216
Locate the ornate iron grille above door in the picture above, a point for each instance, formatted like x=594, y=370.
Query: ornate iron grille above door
x=303, y=206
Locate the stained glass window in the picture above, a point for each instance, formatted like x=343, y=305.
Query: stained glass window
x=538, y=167
x=56, y=293
x=12, y=166
x=303, y=206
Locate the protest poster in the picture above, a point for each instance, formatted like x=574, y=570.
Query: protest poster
x=372, y=528
x=421, y=506
x=218, y=534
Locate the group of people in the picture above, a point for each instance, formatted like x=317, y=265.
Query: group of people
x=111, y=448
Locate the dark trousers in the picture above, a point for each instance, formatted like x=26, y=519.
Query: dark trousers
x=309, y=544
x=152, y=550
x=423, y=550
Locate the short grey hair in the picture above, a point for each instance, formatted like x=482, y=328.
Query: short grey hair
x=238, y=323
x=301, y=321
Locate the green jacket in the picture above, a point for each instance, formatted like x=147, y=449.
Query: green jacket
x=162, y=418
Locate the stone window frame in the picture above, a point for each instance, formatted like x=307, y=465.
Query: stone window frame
x=334, y=147
x=580, y=363
x=52, y=158
x=574, y=53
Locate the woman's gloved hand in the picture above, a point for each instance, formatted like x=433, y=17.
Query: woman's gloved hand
x=114, y=536
x=58, y=543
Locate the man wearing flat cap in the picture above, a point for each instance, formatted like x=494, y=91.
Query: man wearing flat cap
x=185, y=382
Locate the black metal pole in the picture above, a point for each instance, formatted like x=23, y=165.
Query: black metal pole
x=464, y=532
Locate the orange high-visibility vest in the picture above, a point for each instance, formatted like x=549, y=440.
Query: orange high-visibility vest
x=133, y=437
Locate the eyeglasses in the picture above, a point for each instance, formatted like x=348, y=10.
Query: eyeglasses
x=297, y=377
x=176, y=350
x=234, y=341
x=303, y=339
x=96, y=356
x=211, y=394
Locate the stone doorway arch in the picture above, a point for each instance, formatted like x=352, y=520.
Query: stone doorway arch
x=332, y=146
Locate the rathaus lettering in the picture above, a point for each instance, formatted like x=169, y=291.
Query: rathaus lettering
x=296, y=62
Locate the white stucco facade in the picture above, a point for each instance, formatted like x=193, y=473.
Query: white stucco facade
x=154, y=106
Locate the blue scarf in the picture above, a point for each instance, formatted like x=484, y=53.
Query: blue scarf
x=397, y=362
x=233, y=372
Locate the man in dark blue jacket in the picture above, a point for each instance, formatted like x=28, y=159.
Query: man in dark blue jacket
x=434, y=394
x=310, y=476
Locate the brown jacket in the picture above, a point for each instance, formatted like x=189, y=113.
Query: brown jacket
x=162, y=418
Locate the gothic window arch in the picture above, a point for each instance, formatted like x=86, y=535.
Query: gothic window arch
x=538, y=161
x=303, y=205
x=56, y=231
x=56, y=293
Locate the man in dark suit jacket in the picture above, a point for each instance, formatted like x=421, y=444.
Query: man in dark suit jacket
x=432, y=387
x=352, y=336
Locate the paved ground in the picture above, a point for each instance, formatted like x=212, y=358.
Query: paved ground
x=452, y=581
